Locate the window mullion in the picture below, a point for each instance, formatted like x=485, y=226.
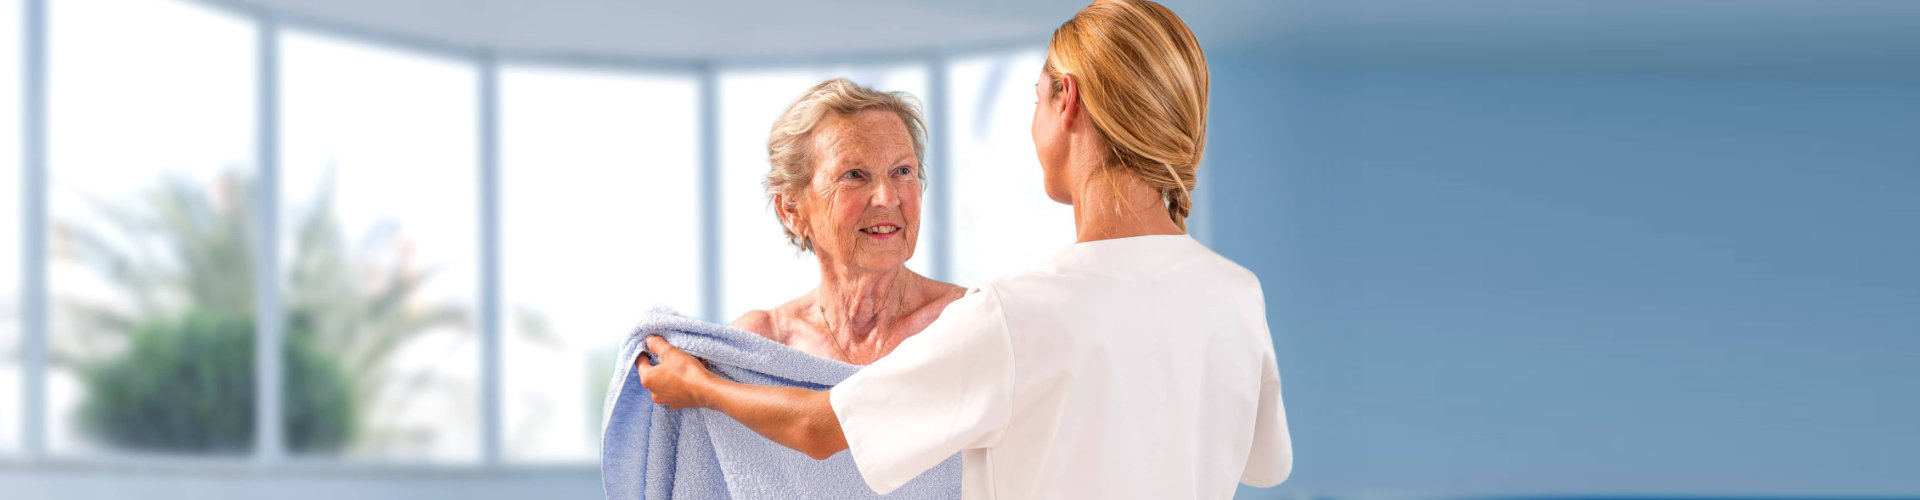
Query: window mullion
x=490, y=386
x=710, y=219
x=268, y=311
x=33, y=186
x=942, y=169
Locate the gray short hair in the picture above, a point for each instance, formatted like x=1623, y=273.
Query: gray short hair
x=790, y=146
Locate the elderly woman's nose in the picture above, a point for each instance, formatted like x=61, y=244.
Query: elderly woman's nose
x=887, y=194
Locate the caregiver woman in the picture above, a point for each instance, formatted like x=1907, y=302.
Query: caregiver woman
x=1134, y=364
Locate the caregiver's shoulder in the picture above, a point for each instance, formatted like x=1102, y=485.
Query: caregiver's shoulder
x=1202, y=266
x=1227, y=272
x=1191, y=266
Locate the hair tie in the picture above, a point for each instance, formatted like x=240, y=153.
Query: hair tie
x=1177, y=182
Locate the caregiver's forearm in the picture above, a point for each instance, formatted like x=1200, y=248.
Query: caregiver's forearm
x=796, y=418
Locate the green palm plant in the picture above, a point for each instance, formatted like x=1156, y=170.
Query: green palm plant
x=169, y=365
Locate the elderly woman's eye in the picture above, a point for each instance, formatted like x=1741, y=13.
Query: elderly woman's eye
x=854, y=175
x=902, y=170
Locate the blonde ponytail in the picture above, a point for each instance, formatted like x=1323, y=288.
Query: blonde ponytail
x=1143, y=81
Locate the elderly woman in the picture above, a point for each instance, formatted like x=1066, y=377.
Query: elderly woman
x=846, y=184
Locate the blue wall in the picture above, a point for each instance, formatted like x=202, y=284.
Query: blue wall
x=1513, y=283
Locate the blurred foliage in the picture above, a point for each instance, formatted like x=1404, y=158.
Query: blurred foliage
x=168, y=363
x=191, y=388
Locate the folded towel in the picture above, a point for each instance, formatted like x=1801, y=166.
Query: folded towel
x=648, y=451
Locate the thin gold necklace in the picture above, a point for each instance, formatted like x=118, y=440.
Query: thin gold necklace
x=821, y=307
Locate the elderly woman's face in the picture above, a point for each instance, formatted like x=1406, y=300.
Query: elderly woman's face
x=862, y=208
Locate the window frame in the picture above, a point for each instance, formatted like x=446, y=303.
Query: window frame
x=269, y=453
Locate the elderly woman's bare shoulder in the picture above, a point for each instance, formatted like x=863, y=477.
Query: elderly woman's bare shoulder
x=936, y=296
x=774, y=324
x=756, y=321
x=945, y=293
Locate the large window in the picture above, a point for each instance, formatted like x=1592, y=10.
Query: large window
x=379, y=220
x=759, y=269
x=152, y=210
x=1002, y=218
x=10, y=240
x=599, y=196
x=150, y=138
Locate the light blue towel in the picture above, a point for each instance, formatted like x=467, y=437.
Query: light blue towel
x=648, y=451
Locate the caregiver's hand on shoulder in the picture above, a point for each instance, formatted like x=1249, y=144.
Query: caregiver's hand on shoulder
x=679, y=381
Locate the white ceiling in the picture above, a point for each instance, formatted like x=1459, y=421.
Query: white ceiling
x=1802, y=36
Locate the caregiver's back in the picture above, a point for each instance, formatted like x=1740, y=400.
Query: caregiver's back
x=1168, y=370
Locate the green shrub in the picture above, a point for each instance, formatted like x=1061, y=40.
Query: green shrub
x=182, y=253
x=187, y=385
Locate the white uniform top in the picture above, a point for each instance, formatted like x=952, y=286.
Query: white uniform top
x=1126, y=368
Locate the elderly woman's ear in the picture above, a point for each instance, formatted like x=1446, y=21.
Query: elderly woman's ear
x=789, y=212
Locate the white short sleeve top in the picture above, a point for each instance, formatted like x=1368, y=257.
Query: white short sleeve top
x=1127, y=368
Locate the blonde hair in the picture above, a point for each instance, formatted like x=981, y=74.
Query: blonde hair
x=1143, y=81
x=790, y=145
